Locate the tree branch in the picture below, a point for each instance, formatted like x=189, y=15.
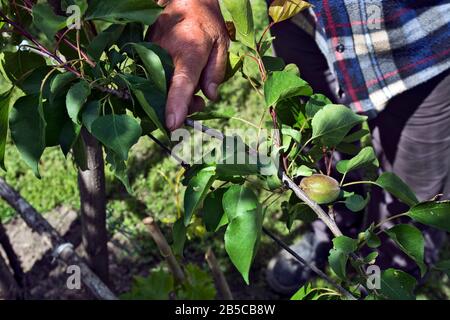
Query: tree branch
x=63, y=251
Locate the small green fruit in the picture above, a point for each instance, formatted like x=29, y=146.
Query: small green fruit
x=320, y=188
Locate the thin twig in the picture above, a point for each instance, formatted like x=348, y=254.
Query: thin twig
x=316, y=270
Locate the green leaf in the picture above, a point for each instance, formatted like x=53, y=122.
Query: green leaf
x=118, y=168
x=80, y=154
x=90, y=113
x=432, y=213
x=332, y=123
x=338, y=257
x=153, y=65
x=410, y=240
x=47, y=21
x=292, y=68
x=238, y=200
x=59, y=82
x=345, y=244
x=394, y=185
x=104, y=40
x=356, y=136
x=119, y=11
x=117, y=132
x=196, y=191
x=4, y=114
x=165, y=58
x=289, y=112
x=371, y=257
x=273, y=63
x=294, y=134
x=28, y=130
x=280, y=10
x=55, y=117
x=304, y=171
x=338, y=262
x=356, y=202
x=397, y=285
x=199, y=285
x=234, y=63
x=76, y=98
x=373, y=241
x=213, y=214
x=18, y=64
x=315, y=103
x=282, y=85
x=157, y=286
x=244, y=229
x=364, y=158
x=179, y=237
x=69, y=135
x=242, y=15
x=304, y=293
x=235, y=160
x=150, y=98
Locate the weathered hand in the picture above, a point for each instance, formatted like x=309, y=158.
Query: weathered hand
x=195, y=35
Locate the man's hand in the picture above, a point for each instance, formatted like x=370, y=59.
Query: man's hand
x=195, y=35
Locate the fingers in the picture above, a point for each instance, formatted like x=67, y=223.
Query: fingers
x=188, y=67
x=215, y=69
x=197, y=104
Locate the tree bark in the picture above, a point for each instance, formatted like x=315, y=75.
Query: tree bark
x=91, y=183
x=11, y=255
x=62, y=250
x=9, y=289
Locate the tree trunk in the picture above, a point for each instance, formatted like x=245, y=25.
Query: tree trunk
x=9, y=289
x=91, y=183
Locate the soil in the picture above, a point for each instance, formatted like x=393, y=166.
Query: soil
x=45, y=278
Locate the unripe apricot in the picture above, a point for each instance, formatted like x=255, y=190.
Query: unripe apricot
x=320, y=188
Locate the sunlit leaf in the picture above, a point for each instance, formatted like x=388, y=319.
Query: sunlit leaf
x=280, y=10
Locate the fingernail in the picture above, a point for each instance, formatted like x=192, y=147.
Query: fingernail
x=170, y=121
x=212, y=90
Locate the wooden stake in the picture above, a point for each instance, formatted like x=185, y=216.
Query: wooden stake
x=164, y=249
x=219, y=277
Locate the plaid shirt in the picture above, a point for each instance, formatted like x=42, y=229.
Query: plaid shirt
x=380, y=48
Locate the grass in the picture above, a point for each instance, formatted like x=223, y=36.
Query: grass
x=153, y=176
